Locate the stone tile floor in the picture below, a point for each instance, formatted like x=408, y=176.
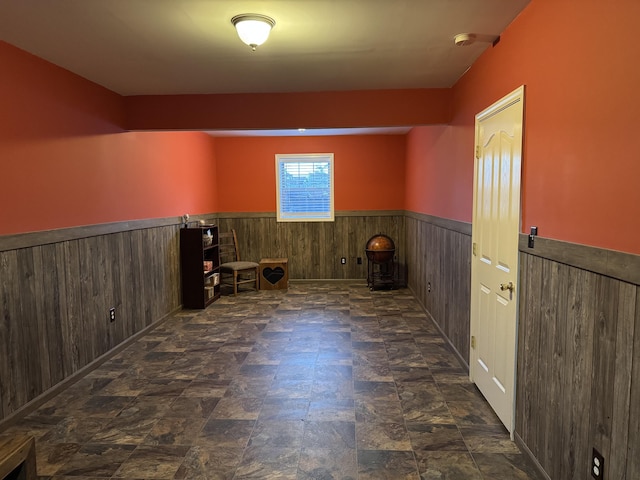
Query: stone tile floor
x=323, y=381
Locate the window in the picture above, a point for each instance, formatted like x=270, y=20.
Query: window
x=304, y=187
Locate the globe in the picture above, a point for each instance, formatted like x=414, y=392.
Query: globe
x=380, y=249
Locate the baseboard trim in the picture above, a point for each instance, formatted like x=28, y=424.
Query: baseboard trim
x=41, y=399
x=525, y=450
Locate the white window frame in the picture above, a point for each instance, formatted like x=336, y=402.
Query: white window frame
x=281, y=159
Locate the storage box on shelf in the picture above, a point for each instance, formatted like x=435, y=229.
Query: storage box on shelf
x=200, y=266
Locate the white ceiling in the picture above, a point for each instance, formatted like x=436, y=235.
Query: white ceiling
x=145, y=47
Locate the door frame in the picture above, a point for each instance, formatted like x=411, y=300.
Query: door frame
x=517, y=95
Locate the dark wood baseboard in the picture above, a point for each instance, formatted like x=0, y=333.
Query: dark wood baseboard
x=461, y=359
x=534, y=461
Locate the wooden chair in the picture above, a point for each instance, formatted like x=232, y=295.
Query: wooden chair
x=233, y=271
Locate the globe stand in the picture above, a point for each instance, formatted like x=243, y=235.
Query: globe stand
x=381, y=265
x=381, y=275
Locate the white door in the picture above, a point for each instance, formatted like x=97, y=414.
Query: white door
x=494, y=266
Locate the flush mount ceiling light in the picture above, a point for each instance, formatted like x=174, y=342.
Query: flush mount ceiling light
x=464, y=39
x=253, y=29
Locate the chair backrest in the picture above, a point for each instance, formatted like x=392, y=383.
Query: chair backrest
x=228, y=243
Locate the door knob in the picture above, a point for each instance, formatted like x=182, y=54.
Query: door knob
x=507, y=286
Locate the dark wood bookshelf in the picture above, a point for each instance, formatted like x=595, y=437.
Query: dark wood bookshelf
x=200, y=266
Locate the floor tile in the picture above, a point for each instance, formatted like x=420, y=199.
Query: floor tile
x=327, y=464
x=382, y=436
x=386, y=465
x=321, y=381
x=207, y=387
x=284, y=433
x=210, y=463
x=472, y=413
x=375, y=391
x=329, y=435
x=283, y=409
x=423, y=402
x=378, y=411
x=174, y=431
x=425, y=437
x=75, y=429
x=497, y=466
x=290, y=388
x=218, y=433
x=187, y=406
x=103, y=406
x=446, y=465
x=411, y=375
x=51, y=456
x=488, y=439
x=332, y=410
x=238, y=408
x=152, y=462
x=372, y=373
x=267, y=462
x=340, y=389
x=96, y=460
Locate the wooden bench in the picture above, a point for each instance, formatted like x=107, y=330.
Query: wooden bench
x=17, y=457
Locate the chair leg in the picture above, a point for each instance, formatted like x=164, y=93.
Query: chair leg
x=235, y=283
x=255, y=274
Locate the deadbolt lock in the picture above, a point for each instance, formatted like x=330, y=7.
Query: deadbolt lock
x=507, y=286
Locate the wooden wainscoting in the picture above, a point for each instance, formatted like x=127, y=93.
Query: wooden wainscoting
x=439, y=274
x=314, y=249
x=578, y=383
x=56, y=289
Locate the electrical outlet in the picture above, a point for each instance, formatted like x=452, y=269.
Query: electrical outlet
x=343, y=261
x=597, y=465
x=359, y=260
x=429, y=287
x=112, y=314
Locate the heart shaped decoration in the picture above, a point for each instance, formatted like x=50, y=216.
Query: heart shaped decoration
x=273, y=275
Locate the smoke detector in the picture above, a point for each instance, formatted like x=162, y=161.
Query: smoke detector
x=464, y=39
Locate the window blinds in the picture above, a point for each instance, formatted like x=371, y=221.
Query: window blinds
x=305, y=187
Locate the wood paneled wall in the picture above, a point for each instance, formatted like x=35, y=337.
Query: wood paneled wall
x=55, y=298
x=578, y=384
x=578, y=377
x=314, y=249
x=56, y=287
x=439, y=274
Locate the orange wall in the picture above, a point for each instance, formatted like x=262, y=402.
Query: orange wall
x=438, y=179
x=582, y=114
x=65, y=161
x=368, y=170
x=370, y=108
